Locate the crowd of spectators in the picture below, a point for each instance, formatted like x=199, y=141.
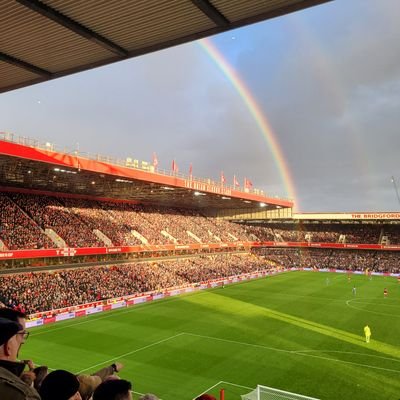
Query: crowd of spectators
x=354, y=260
x=42, y=291
x=50, y=213
x=325, y=233
x=88, y=223
x=387, y=262
x=97, y=216
x=392, y=232
x=17, y=230
x=76, y=221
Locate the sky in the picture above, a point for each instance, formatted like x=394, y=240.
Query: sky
x=326, y=81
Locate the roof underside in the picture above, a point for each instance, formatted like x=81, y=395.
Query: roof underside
x=42, y=40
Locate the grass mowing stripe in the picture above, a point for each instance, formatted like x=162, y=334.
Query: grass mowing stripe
x=130, y=352
x=295, y=352
x=108, y=314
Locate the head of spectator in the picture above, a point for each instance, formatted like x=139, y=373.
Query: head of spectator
x=13, y=315
x=87, y=385
x=16, y=316
x=148, y=396
x=40, y=374
x=206, y=396
x=60, y=385
x=115, y=389
x=9, y=341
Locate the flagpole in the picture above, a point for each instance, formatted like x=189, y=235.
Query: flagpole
x=395, y=188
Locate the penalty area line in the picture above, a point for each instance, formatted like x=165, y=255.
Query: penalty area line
x=292, y=352
x=129, y=353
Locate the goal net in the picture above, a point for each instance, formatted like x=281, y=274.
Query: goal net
x=267, y=393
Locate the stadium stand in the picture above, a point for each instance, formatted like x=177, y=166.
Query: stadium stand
x=33, y=221
x=320, y=233
x=75, y=222
x=18, y=230
x=353, y=260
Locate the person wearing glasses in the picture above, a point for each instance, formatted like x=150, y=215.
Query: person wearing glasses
x=17, y=316
x=12, y=387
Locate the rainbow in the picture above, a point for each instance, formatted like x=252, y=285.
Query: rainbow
x=256, y=112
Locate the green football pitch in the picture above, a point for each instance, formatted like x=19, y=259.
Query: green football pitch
x=300, y=332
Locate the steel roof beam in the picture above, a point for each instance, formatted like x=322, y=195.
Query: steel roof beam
x=72, y=25
x=24, y=65
x=208, y=9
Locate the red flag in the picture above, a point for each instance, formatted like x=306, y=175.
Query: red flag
x=247, y=183
x=190, y=170
x=155, y=160
x=223, y=180
x=175, y=167
x=235, y=181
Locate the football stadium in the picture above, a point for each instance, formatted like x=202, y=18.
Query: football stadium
x=122, y=280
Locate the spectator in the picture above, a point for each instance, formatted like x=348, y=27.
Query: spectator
x=11, y=386
x=60, y=385
x=88, y=383
x=119, y=389
x=13, y=315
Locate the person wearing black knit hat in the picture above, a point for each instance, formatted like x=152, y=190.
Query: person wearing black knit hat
x=60, y=385
x=11, y=386
x=114, y=389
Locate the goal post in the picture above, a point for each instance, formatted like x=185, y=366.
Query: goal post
x=267, y=393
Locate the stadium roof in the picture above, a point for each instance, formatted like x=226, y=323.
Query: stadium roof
x=27, y=165
x=43, y=40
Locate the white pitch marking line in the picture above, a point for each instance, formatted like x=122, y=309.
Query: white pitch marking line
x=237, y=342
x=349, y=362
x=130, y=352
x=235, y=384
x=367, y=310
x=346, y=352
x=205, y=391
x=295, y=352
